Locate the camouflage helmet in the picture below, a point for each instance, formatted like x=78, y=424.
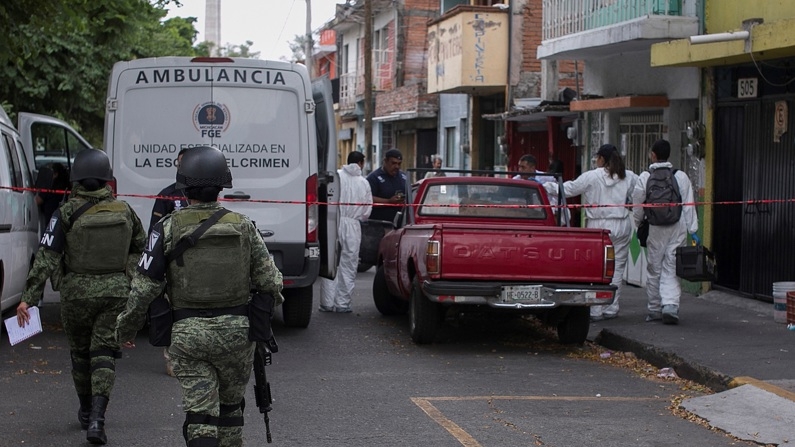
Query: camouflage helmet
x=91, y=163
x=203, y=166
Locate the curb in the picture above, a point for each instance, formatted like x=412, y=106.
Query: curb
x=780, y=392
x=661, y=359
x=685, y=369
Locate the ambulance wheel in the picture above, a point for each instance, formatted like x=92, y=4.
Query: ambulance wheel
x=363, y=267
x=385, y=302
x=573, y=329
x=423, y=316
x=297, y=306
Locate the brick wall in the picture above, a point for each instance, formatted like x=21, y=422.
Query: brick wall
x=410, y=60
x=530, y=77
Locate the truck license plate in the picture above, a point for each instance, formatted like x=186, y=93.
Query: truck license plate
x=525, y=294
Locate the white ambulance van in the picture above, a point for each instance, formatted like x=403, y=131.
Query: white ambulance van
x=277, y=132
x=39, y=140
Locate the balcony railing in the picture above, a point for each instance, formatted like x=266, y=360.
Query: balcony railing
x=564, y=17
x=348, y=84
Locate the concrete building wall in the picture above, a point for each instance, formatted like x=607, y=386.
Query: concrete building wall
x=452, y=109
x=630, y=74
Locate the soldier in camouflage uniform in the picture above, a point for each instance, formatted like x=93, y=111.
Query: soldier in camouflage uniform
x=208, y=286
x=97, y=240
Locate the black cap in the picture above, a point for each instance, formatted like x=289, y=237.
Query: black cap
x=607, y=151
x=393, y=153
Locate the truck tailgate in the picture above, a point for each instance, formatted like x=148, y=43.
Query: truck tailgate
x=500, y=253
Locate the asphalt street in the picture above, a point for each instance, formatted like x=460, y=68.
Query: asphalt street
x=357, y=380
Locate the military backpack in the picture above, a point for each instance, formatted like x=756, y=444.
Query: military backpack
x=98, y=241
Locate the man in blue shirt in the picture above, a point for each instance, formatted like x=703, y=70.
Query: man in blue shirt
x=388, y=184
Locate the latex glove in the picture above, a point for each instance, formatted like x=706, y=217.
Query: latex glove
x=695, y=238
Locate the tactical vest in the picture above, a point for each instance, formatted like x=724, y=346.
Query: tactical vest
x=98, y=242
x=216, y=271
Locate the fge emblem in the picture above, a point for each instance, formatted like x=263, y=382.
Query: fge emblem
x=210, y=119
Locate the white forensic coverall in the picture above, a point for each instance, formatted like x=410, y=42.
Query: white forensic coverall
x=597, y=187
x=662, y=285
x=354, y=189
x=539, y=177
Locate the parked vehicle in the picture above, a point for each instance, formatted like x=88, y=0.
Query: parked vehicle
x=373, y=230
x=490, y=244
x=276, y=130
x=39, y=140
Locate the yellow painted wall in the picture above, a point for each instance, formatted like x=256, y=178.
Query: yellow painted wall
x=727, y=15
x=468, y=50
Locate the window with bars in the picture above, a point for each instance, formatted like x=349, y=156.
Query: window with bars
x=638, y=133
x=387, y=137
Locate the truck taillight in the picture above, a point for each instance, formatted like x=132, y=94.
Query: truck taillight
x=610, y=261
x=311, y=208
x=432, y=263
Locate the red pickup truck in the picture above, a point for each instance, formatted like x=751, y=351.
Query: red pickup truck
x=490, y=243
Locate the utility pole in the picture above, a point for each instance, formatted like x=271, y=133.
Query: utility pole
x=368, y=82
x=309, y=46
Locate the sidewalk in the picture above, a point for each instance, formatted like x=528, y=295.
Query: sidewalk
x=722, y=341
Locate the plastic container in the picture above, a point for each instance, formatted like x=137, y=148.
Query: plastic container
x=780, y=292
x=695, y=263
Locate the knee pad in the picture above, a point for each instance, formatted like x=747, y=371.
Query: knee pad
x=202, y=419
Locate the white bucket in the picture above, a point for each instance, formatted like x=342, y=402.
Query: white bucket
x=780, y=290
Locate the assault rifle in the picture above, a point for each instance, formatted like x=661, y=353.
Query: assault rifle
x=262, y=389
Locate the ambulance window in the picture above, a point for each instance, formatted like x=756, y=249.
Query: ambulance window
x=14, y=171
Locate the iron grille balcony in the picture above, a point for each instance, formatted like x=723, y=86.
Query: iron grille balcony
x=565, y=17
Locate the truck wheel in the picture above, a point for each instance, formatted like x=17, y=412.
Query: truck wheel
x=297, y=306
x=363, y=267
x=573, y=329
x=423, y=316
x=385, y=302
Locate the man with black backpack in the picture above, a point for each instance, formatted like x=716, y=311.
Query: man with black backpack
x=659, y=196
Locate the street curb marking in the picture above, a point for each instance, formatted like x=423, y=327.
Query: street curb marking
x=466, y=439
x=780, y=392
x=454, y=429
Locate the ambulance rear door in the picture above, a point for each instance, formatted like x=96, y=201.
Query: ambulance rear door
x=329, y=180
x=258, y=113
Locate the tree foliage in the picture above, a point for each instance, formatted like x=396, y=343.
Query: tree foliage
x=56, y=55
x=298, y=47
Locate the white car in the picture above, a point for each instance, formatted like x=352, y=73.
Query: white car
x=40, y=140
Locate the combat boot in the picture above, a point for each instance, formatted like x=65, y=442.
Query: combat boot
x=84, y=411
x=96, y=425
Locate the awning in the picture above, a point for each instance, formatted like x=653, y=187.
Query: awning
x=525, y=114
x=620, y=103
x=405, y=116
x=768, y=41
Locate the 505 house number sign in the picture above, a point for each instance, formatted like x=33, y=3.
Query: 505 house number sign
x=746, y=88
